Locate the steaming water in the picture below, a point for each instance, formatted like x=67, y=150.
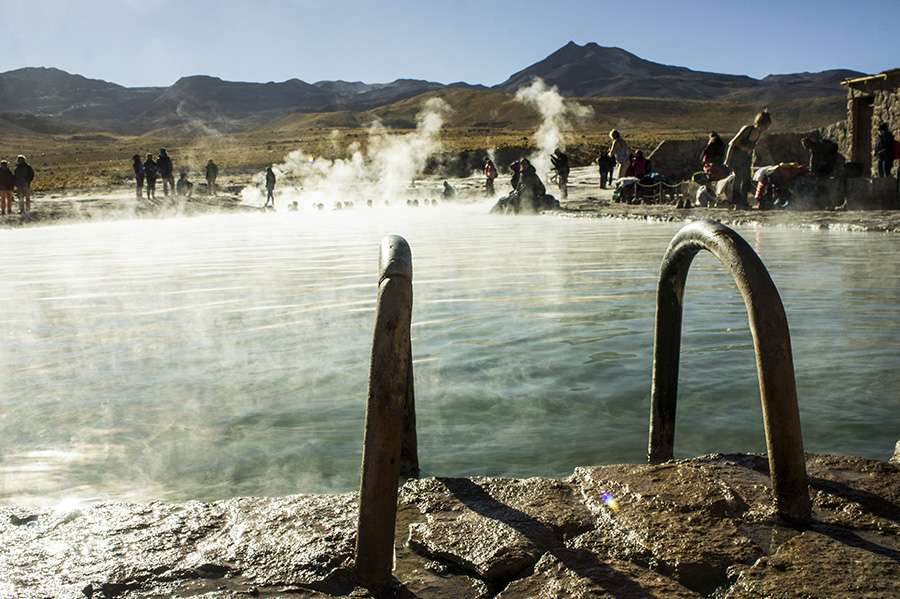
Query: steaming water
x=212, y=357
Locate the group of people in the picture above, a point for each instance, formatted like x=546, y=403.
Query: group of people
x=153, y=168
x=18, y=180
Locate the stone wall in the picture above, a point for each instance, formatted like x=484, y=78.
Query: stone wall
x=840, y=133
x=681, y=158
x=678, y=158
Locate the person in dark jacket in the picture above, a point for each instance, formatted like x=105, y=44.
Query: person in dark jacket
x=270, y=187
x=7, y=185
x=825, y=159
x=516, y=168
x=151, y=171
x=166, y=171
x=24, y=177
x=212, y=172
x=884, y=150
x=531, y=190
x=606, y=163
x=138, y=167
x=490, y=173
x=560, y=163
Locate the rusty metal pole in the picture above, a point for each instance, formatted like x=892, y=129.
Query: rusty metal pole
x=387, y=415
x=774, y=361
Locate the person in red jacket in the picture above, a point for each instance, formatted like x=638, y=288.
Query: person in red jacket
x=639, y=166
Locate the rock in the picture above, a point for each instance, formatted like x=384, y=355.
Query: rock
x=494, y=528
x=813, y=564
x=109, y=549
x=581, y=575
x=701, y=526
x=681, y=518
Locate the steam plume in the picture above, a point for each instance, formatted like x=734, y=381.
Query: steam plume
x=382, y=172
x=557, y=117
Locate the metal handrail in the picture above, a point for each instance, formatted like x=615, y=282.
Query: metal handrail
x=389, y=448
x=774, y=361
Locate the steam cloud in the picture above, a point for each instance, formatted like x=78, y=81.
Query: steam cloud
x=557, y=118
x=383, y=172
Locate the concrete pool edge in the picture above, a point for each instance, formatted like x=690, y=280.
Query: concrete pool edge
x=854, y=221
x=682, y=528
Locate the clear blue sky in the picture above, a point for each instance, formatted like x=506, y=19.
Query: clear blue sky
x=154, y=42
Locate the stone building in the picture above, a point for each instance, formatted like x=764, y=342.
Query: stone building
x=871, y=100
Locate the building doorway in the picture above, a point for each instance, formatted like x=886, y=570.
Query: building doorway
x=861, y=110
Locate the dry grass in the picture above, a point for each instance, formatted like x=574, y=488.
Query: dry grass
x=480, y=120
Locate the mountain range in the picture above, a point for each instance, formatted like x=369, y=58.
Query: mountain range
x=50, y=100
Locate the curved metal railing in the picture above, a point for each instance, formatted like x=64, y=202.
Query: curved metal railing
x=774, y=362
x=389, y=447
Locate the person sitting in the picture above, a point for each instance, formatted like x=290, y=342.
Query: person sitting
x=706, y=195
x=531, y=189
x=824, y=158
x=640, y=166
x=713, y=157
x=448, y=192
x=183, y=187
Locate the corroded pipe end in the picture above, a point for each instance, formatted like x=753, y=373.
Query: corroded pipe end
x=395, y=259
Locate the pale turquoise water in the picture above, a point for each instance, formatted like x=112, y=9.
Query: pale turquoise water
x=211, y=357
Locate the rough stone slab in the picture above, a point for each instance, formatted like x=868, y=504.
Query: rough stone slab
x=814, y=565
x=582, y=575
x=493, y=527
x=855, y=492
x=117, y=548
x=704, y=526
x=680, y=518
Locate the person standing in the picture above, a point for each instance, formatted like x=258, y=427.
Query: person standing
x=620, y=151
x=7, y=185
x=739, y=157
x=560, y=163
x=884, y=150
x=138, y=167
x=490, y=173
x=212, y=172
x=270, y=187
x=150, y=173
x=24, y=177
x=166, y=171
x=606, y=164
